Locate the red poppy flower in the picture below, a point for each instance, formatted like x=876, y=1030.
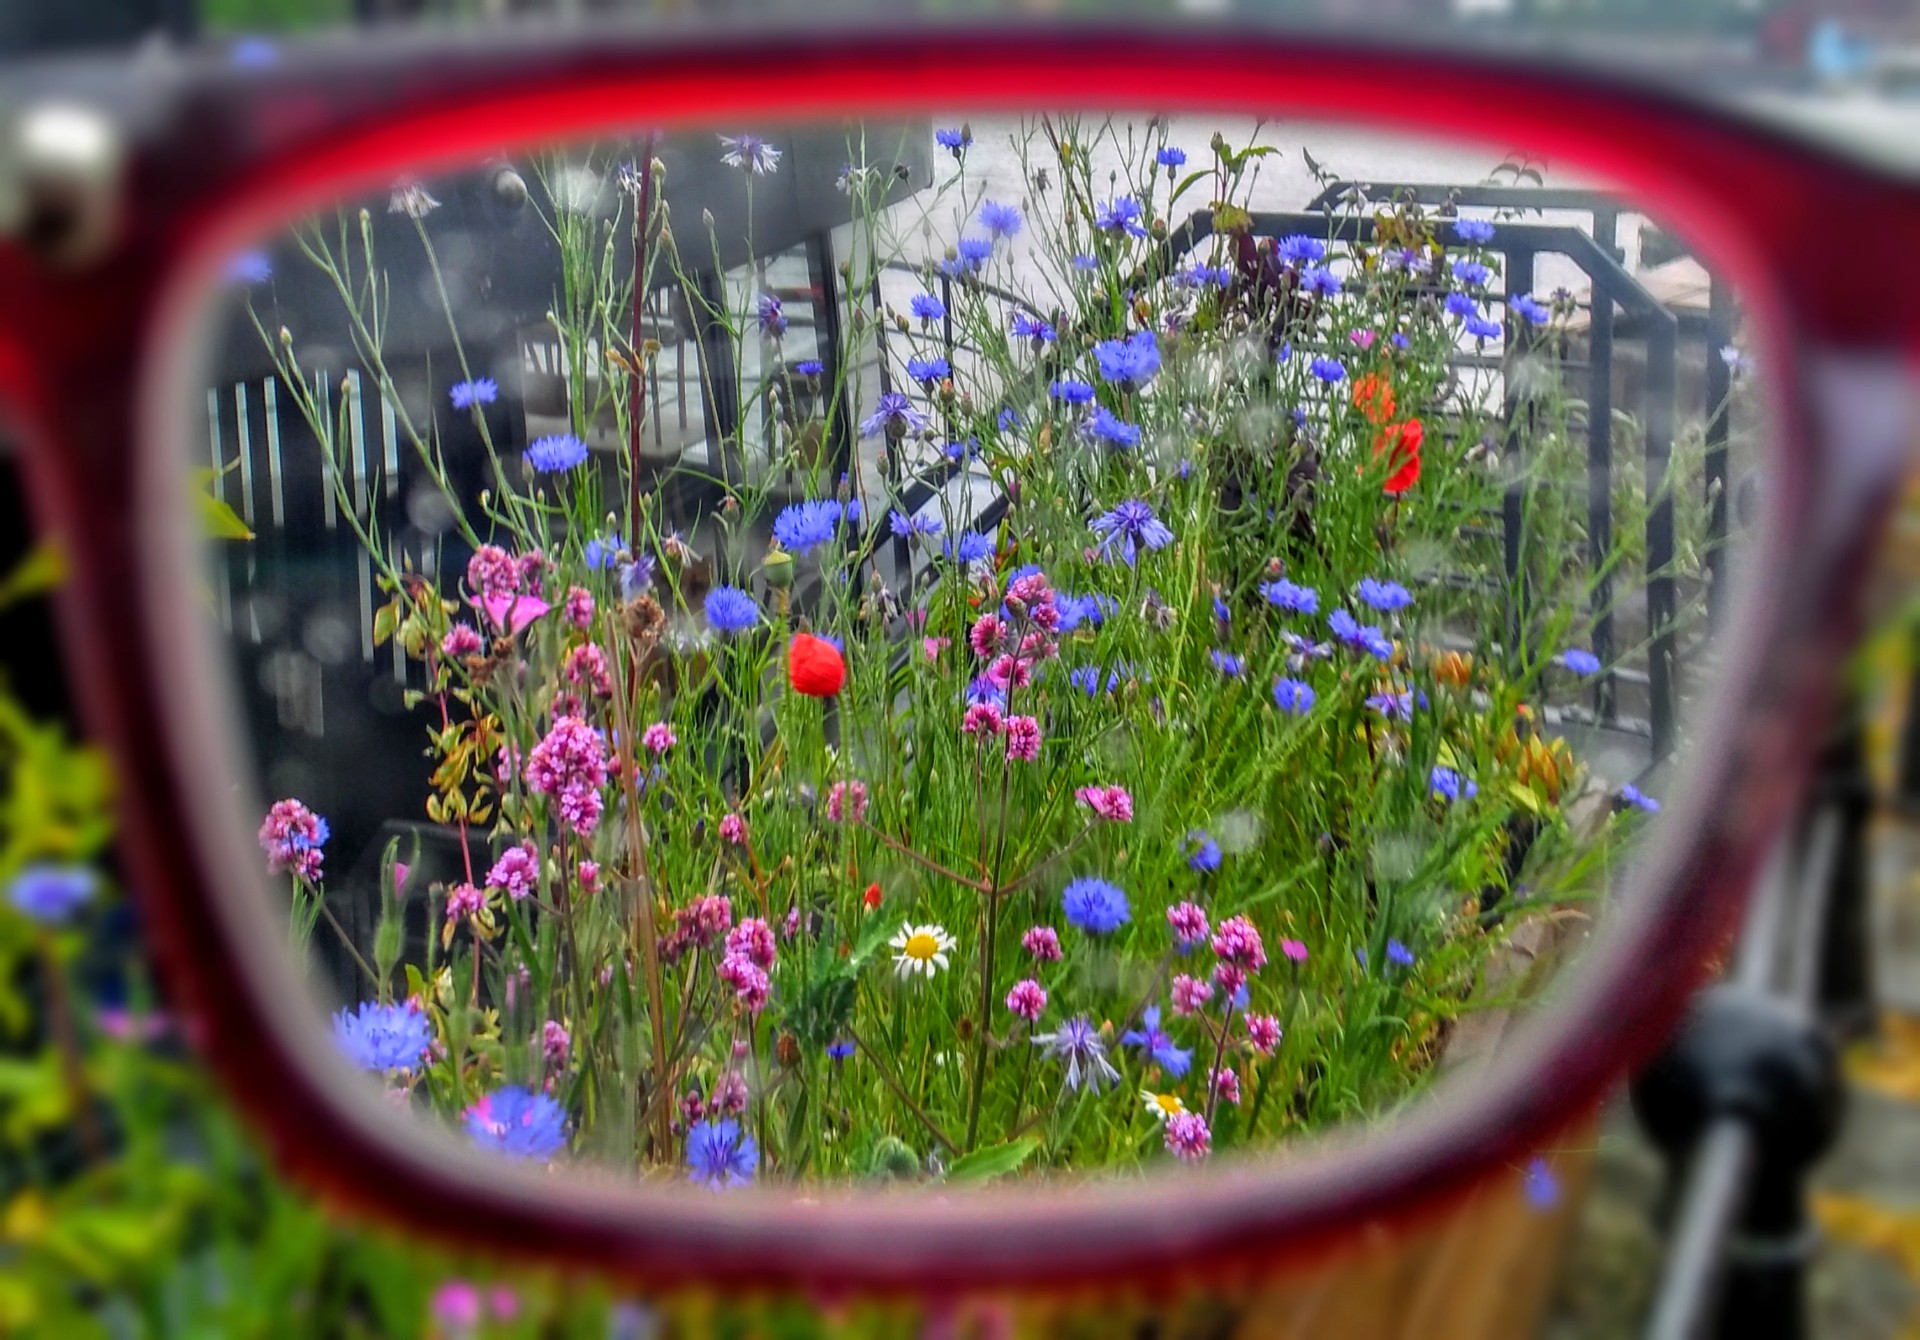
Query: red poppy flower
x=872, y=896
x=815, y=666
x=1404, y=441
x=1373, y=397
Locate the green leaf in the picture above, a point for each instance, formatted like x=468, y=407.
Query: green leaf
x=39, y=572
x=993, y=1161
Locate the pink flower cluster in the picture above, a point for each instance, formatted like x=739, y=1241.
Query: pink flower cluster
x=585, y=668
x=729, y=1096
x=570, y=765
x=847, y=798
x=1187, y=1136
x=491, y=572
x=555, y=1042
x=1022, y=732
x=517, y=872
x=733, y=830
x=749, y=957
x=658, y=738
x=1189, y=924
x=579, y=607
x=1109, y=802
x=462, y=640
x=1190, y=994
x=292, y=836
x=1263, y=1032
x=465, y=901
x=1043, y=942
x=699, y=924
x=1027, y=999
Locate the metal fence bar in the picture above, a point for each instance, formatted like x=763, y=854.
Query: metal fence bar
x=1662, y=706
x=1719, y=383
x=1600, y=492
x=1518, y=415
x=1708, y=1210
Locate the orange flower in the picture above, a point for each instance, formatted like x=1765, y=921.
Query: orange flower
x=1373, y=397
x=815, y=666
x=1403, y=441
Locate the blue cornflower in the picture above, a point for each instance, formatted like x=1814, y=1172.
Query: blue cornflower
x=1091, y=610
x=750, y=153
x=551, y=455
x=1471, y=273
x=1483, y=328
x=974, y=251
x=927, y=371
x=720, y=1154
x=1293, y=695
x=981, y=689
x=972, y=547
x=249, y=267
x=1529, y=311
x=1319, y=279
x=1300, y=249
x=479, y=391
x=1463, y=304
x=1329, y=370
x=1122, y=215
x=1398, y=953
x=1473, y=230
x=955, y=141
x=1200, y=275
x=894, y=411
x=1579, y=661
x=1228, y=664
x=906, y=527
x=1176, y=1061
x=1095, y=906
x=806, y=525
x=1222, y=613
x=999, y=220
x=1129, y=362
x=731, y=610
x=1633, y=795
x=1399, y=340
x=1368, y=638
x=1103, y=427
x=1384, y=596
x=1292, y=598
x=839, y=1051
x=51, y=894
x=636, y=578
x=1170, y=157
x=382, y=1037
x=767, y=311
x=1205, y=856
x=601, y=553
x=1027, y=327
x=1131, y=525
x=519, y=1123
x=1086, y=678
x=1078, y=1043
x=958, y=451
x=809, y=367
x=927, y=307
x=1392, y=706
x=253, y=53
x=1541, y=1186
x=1009, y=420
x=1082, y=261
x=1071, y=390
x=1450, y=785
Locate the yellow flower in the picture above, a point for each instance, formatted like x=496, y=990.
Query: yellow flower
x=1165, y=1106
x=923, y=949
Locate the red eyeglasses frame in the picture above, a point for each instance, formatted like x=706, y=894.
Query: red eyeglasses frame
x=91, y=371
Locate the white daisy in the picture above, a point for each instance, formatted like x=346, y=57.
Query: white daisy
x=1165, y=1106
x=923, y=949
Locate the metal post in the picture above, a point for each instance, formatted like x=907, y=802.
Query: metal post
x=1719, y=382
x=1844, y=944
x=716, y=366
x=1600, y=488
x=839, y=408
x=1513, y=513
x=1661, y=340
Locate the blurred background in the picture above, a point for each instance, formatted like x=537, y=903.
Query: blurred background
x=133, y=1204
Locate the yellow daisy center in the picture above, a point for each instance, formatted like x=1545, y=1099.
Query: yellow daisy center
x=1169, y=1103
x=921, y=946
